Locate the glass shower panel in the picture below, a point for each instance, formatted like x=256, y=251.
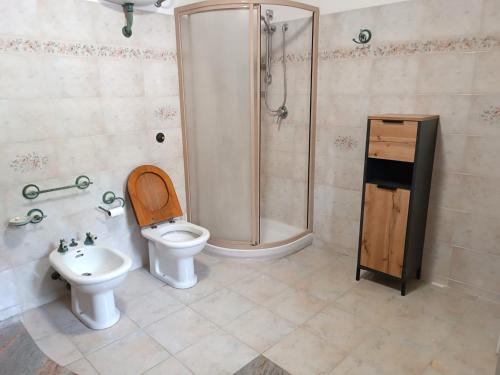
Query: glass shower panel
x=284, y=176
x=217, y=94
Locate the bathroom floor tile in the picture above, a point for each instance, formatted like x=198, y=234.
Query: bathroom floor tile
x=259, y=288
x=326, y=284
x=259, y=328
x=343, y=330
x=169, y=367
x=301, y=352
x=88, y=340
x=82, y=367
x=180, y=329
x=132, y=355
x=217, y=354
x=228, y=272
x=49, y=319
x=295, y=306
x=150, y=307
x=137, y=283
x=386, y=354
x=202, y=289
x=59, y=348
x=313, y=257
x=223, y=306
x=286, y=271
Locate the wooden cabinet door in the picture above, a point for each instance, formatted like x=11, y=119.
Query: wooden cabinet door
x=384, y=229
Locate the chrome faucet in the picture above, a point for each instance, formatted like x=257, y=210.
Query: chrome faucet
x=62, y=246
x=89, y=239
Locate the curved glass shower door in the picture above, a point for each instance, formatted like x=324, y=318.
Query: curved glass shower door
x=247, y=71
x=218, y=133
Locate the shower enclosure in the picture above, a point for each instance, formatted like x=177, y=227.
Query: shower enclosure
x=247, y=77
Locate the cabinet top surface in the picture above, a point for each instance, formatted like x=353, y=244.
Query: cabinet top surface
x=403, y=117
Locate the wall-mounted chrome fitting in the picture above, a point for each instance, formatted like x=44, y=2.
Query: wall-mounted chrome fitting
x=364, y=36
x=128, y=9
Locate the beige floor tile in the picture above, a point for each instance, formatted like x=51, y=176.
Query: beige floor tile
x=150, y=307
x=421, y=327
x=59, y=348
x=259, y=288
x=483, y=315
x=207, y=259
x=49, y=319
x=217, y=354
x=202, y=289
x=313, y=257
x=388, y=355
x=343, y=330
x=369, y=301
x=295, y=306
x=303, y=353
x=260, y=329
x=326, y=284
x=229, y=271
x=223, y=306
x=132, y=355
x=439, y=302
x=467, y=351
x=88, y=340
x=169, y=367
x=137, y=283
x=180, y=329
x=82, y=367
x=286, y=271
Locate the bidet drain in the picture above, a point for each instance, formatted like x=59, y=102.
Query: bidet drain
x=86, y=274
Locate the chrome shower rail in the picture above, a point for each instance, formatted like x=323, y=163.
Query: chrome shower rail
x=32, y=191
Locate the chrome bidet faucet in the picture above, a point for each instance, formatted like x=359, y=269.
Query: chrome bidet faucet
x=89, y=239
x=62, y=246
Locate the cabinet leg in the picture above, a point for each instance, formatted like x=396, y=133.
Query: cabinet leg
x=419, y=272
x=357, y=273
x=403, y=288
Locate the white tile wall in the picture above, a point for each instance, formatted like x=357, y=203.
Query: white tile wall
x=79, y=113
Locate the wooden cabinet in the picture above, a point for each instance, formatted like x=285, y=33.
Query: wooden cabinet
x=396, y=185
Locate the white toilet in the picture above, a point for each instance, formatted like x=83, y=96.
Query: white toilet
x=172, y=242
x=93, y=272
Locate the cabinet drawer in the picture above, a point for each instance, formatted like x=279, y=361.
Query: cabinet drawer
x=385, y=217
x=392, y=140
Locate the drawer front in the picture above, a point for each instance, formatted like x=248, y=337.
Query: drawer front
x=393, y=140
x=385, y=218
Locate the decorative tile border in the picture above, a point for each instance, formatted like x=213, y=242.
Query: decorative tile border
x=398, y=49
x=78, y=49
x=491, y=114
x=28, y=162
x=345, y=143
x=166, y=113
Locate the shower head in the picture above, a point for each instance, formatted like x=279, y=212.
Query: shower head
x=269, y=27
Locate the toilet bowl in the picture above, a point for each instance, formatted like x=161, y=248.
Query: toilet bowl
x=93, y=272
x=172, y=242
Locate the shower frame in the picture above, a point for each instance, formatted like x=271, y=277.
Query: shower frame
x=255, y=80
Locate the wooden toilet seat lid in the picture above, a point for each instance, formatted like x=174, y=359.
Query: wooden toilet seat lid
x=152, y=195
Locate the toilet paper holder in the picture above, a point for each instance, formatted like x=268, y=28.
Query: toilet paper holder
x=109, y=198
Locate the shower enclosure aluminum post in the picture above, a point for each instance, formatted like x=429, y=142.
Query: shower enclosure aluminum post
x=214, y=5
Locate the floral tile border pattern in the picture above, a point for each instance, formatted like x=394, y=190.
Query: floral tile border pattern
x=399, y=49
x=28, y=162
x=165, y=113
x=345, y=143
x=78, y=49
x=491, y=114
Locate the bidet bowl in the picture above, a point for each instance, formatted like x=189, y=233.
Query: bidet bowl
x=93, y=272
x=84, y=265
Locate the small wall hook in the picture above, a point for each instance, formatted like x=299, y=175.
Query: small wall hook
x=364, y=36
